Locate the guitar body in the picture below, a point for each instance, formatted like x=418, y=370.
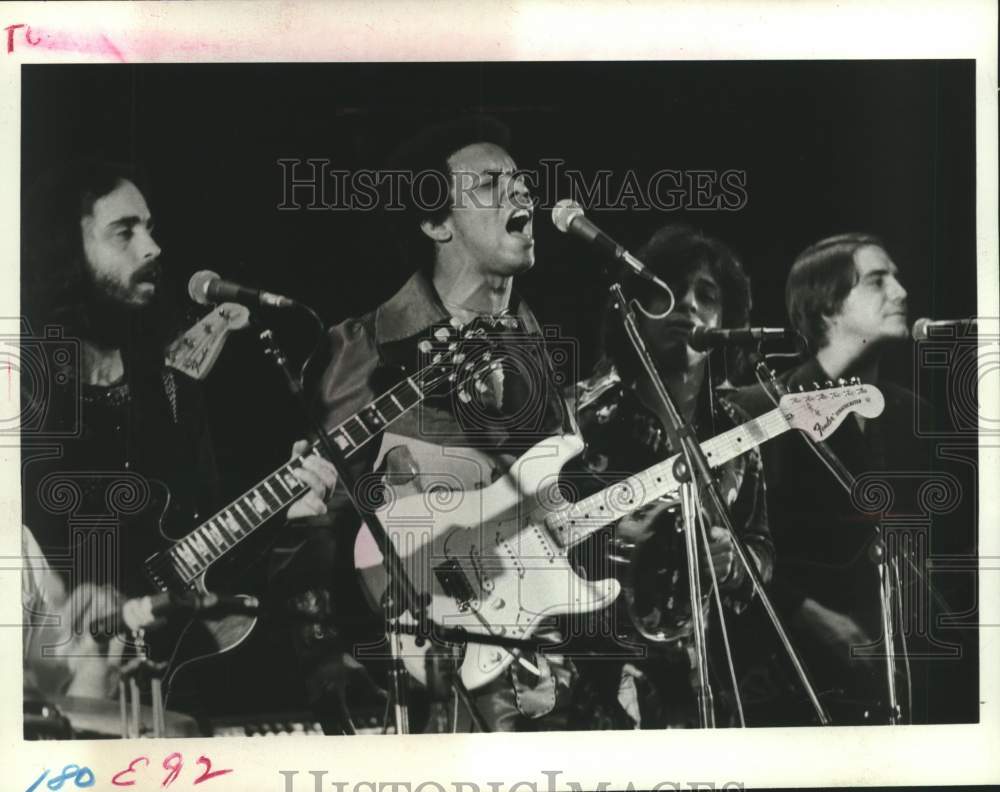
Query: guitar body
x=471, y=551
x=205, y=637
x=178, y=640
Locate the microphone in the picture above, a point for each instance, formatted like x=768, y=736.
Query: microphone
x=206, y=287
x=703, y=338
x=568, y=217
x=141, y=612
x=928, y=328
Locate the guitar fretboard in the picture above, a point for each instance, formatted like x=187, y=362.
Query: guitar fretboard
x=577, y=521
x=190, y=557
x=364, y=425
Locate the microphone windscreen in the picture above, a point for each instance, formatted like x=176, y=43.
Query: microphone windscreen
x=701, y=340
x=564, y=213
x=919, y=332
x=198, y=286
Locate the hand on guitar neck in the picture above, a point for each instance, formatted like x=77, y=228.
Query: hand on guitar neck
x=316, y=473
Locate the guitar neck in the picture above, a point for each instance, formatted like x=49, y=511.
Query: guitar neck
x=579, y=520
x=195, y=553
x=361, y=427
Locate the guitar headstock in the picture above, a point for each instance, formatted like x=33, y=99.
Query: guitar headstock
x=820, y=411
x=195, y=351
x=458, y=354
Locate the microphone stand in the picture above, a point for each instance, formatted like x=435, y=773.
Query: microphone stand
x=133, y=674
x=694, y=464
x=876, y=550
x=403, y=596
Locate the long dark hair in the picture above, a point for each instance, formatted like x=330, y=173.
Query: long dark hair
x=673, y=253
x=56, y=285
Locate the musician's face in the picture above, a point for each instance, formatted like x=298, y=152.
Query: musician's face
x=119, y=248
x=489, y=227
x=875, y=309
x=699, y=304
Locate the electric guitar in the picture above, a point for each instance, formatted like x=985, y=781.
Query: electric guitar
x=495, y=560
x=458, y=357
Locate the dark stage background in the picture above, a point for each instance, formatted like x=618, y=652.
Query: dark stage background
x=886, y=147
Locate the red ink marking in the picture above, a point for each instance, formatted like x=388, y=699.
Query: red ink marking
x=174, y=763
x=208, y=774
x=10, y=36
x=112, y=48
x=115, y=45
x=128, y=771
x=58, y=41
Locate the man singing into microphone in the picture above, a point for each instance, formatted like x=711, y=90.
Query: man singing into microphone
x=465, y=254
x=844, y=296
x=626, y=430
x=91, y=271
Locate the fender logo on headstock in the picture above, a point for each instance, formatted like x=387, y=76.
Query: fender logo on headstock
x=833, y=418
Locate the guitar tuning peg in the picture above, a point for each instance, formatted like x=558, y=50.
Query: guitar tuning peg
x=816, y=385
x=454, y=322
x=464, y=397
x=841, y=381
x=424, y=346
x=802, y=388
x=829, y=383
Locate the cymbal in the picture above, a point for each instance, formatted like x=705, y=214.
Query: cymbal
x=103, y=717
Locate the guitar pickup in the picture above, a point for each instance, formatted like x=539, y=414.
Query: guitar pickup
x=454, y=582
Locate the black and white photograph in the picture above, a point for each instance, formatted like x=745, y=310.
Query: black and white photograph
x=374, y=399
